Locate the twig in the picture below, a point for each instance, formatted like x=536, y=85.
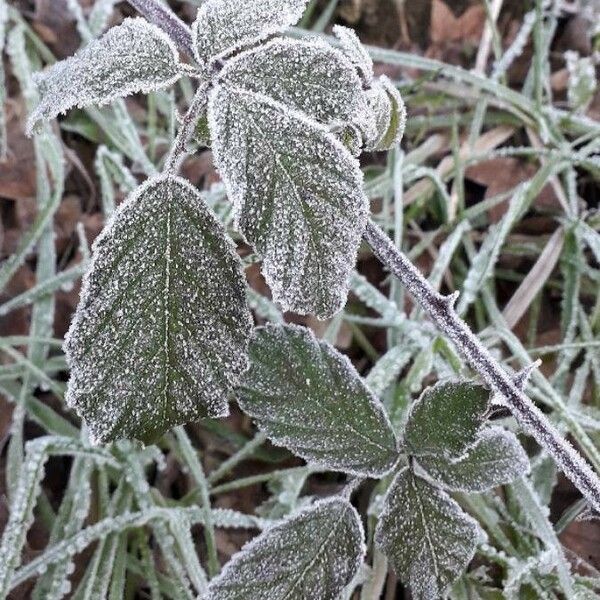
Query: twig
x=167, y=20
x=441, y=310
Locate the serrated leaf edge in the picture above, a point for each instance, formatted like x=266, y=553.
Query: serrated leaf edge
x=246, y=42
x=34, y=118
x=374, y=401
x=411, y=452
x=238, y=203
x=127, y=205
x=249, y=546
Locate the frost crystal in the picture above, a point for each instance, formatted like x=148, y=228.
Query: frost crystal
x=308, y=397
x=446, y=419
x=312, y=555
x=226, y=26
x=311, y=77
x=133, y=57
x=426, y=536
x=298, y=197
x=389, y=113
x=496, y=459
x=161, y=331
x=356, y=52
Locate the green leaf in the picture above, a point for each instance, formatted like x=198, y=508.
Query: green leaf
x=161, y=332
x=425, y=534
x=313, y=554
x=309, y=76
x=308, y=397
x=356, y=52
x=298, y=195
x=446, y=419
x=223, y=27
x=389, y=113
x=496, y=459
x=133, y=57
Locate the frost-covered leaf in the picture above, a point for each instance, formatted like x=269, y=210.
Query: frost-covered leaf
x=161, y=331
x=425, y=534
x=311, y=77
x=446, y=419
x=389, y=113
x=356, y=52
x=312, y=555
x=226, y=26
x=496, y=459
x=133, y=57
x=298, y=196
x=308, y=397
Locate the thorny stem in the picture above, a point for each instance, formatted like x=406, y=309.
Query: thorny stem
x=186, y=129
x=167, y=20
x=441, y=310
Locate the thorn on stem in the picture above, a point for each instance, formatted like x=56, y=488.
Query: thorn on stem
x=450, y=300
x=522, y=377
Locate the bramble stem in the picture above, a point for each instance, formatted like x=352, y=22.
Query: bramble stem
x=441, y=311
x=439, y=308
x=186, y=129
x=167, y=20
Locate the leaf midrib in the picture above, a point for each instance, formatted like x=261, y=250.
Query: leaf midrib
x=317, y=555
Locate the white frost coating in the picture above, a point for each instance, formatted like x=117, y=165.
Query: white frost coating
x=356, y=52
x=161, y=331
x=311, y=555
x=447, y=419
x=388, y=367
x=426, y=535
x=389, y=113
x=309, y=76
x=582, y=80
x=308, y=397
x=297, y=193
x=496, y=459
x=223, y=27
x=133, y=57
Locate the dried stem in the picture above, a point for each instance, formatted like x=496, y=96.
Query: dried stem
x=441, y=310
x=167, y=20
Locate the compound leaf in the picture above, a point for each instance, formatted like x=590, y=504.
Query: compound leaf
x=161, y=332
x=446, y=419
x=298, y=196
x=425, y=534
x=308, y=397
x=496, y=459
x=313, y=554
x=223, y=27
x=311, y=77
x=133, y=57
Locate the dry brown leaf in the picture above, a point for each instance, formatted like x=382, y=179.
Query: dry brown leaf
x=535, y=279
x=445, y=27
